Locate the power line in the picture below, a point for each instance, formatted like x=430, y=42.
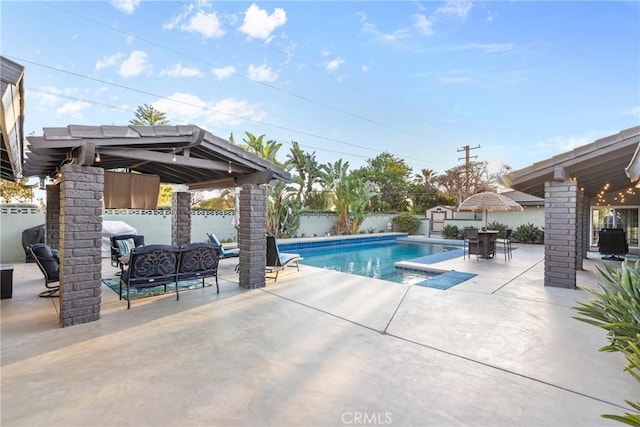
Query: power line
x=265, y=84
x=202, y=107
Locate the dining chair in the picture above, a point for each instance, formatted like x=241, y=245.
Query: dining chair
x=506, y=244
x=471, y=237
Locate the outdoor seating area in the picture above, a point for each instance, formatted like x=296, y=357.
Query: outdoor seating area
x=248, y=346
x=160, y=265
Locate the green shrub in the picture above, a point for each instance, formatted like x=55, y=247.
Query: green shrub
x=450, y=232
x=528, y=233
x=501, y=228
x=406, y=222
x=616, y=309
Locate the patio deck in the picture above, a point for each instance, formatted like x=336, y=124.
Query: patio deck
x=317, y=348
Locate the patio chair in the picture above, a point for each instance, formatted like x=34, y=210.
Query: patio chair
x=121, y=246
x=612, y=244
x=506, y=244
x=224, y=253
x=49, y=264
x=277, y=260
x=471, y=238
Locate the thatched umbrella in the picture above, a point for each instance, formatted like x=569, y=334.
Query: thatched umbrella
x=488, y=202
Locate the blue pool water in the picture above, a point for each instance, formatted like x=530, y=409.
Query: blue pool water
x=374, y=259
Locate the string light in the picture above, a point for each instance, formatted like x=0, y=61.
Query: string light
x=175, y=159
x=229, y=171
x=97, y=159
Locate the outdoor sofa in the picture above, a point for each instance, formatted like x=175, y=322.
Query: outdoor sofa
x=160, y=265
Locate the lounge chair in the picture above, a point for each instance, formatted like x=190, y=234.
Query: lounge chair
x=49, y=264
x=277, y=260
x=224, y=253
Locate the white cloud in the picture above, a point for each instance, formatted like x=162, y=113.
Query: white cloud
x=179, y=70
x=635, y=111
x=222, y=73
x=183, y=108
x=261, y=73
x=258, y=24
x=365, y=68
x=456, y=80
x=135, y=64
x=233, y=111
x=206, y=24
x=192, y=20
x=108, y=61
x=48, y=96
x=488, y=47
x=563, y=143
x=334, y=64
x=387, y=38
x=455, y=8
x=325, y=52
x=423, y=24
x=73, y=109
x=126, y=6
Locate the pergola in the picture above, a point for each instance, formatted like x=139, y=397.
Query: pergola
x=569, y=183
x=76, y=157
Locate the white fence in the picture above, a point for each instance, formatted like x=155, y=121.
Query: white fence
x=155, y=225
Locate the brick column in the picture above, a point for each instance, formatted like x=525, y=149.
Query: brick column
x=52, y=217
x=560, y=229
x=252, y=236
x=582, y=228
x=181, y=218
x=81, y=192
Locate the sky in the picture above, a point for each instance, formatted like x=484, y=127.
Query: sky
x=517, y=81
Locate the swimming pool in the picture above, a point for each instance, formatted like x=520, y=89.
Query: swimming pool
x=374, y=259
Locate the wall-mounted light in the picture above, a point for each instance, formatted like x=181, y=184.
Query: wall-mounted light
x=175, y=159
x=97, y=158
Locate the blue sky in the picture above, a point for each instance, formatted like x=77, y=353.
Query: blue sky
x=523, y=80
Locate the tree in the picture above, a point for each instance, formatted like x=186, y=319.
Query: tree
x=389, y=177
x=350, y=194
x=453, y=181
x=266, y=150
x=307, y=169
x=16, y=191
x=283, y=212
x=426, y=178
x=147, y=115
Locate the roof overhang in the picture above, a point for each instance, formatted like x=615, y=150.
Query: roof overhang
x=11, y=119
x=177, y=154
x=605, y=161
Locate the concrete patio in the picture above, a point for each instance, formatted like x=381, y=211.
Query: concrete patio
x=317, y=348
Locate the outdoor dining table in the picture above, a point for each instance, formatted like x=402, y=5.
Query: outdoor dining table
x=487, y=240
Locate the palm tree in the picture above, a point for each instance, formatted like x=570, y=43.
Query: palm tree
x=350, y=195
x=147, y=115
x=426, y=177
x=308, y=171
x=266, y=150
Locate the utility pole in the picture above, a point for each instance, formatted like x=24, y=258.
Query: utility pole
x=467, y=165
